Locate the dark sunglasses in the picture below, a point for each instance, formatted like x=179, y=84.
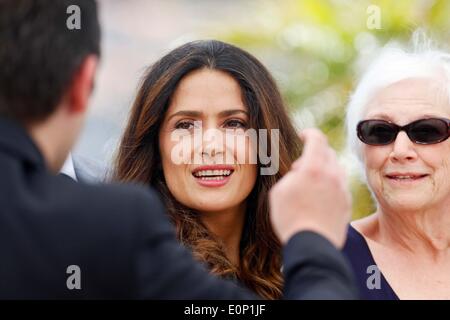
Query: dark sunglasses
x=423, y=131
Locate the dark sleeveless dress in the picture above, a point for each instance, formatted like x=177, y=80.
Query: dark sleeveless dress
x=365, y=269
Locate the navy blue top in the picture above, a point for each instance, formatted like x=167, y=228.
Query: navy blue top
x=370, y=281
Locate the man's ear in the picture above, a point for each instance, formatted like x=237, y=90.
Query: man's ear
x=82, y=85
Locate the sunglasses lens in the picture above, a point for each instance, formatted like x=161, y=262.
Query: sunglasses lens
x=428, y=131
x=376, y=132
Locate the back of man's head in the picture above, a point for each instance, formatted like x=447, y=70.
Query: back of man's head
x=41, y=49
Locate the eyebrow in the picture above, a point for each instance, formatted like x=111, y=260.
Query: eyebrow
x=382, y=116
x=385, y=116
x=192, y=113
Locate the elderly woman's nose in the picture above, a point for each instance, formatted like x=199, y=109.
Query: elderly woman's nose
x=403, y=148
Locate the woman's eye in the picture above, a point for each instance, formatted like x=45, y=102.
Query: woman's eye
x=235, y=124
x=184, y=125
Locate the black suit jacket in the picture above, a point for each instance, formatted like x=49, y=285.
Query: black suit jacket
x=120, y=239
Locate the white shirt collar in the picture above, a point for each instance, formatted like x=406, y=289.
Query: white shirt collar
x=68, y=168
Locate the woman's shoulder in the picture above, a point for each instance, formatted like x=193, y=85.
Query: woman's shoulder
x=365, y=228
x=356, y=246
x=366, y=225
x=355, y=242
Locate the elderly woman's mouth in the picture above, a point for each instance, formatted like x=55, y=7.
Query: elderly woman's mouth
x=406, y=177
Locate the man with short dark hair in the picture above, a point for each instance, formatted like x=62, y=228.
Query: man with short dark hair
x=62, y=239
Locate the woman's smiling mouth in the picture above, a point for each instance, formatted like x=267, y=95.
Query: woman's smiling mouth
x=405, y=178
x=213, y=175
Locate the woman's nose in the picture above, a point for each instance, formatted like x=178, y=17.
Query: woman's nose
x=212, y=142
x=403, y=148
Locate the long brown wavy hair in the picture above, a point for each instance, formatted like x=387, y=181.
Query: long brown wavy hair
x=138, y=158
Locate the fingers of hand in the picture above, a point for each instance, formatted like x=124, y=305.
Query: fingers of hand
x=315, y=147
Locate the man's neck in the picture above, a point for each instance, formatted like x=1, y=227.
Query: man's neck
x=49, y=139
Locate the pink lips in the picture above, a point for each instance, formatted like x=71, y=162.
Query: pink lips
x=213, y=180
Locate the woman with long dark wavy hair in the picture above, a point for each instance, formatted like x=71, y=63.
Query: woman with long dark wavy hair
x=220, y=209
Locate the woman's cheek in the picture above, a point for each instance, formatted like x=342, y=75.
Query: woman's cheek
x=179, y=148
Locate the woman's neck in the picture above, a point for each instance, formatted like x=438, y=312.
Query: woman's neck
x=227, y=225
x=425, y=231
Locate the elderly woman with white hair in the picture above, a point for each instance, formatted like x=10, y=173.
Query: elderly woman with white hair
x=398, y=126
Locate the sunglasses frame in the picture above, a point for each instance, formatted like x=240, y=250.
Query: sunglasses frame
x=404, y=128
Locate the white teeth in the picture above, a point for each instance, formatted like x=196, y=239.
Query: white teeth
x=213, y=178
x=212, y=173
x=404, y=177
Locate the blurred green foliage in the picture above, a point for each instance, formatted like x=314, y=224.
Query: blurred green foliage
x=316, y=50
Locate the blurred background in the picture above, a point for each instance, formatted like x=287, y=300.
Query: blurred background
x=316, y=50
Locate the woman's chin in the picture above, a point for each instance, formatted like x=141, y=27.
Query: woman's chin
x=211, y=208
x=210, y=202
x=407, y=201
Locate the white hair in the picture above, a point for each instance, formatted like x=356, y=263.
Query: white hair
x=394, y=64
